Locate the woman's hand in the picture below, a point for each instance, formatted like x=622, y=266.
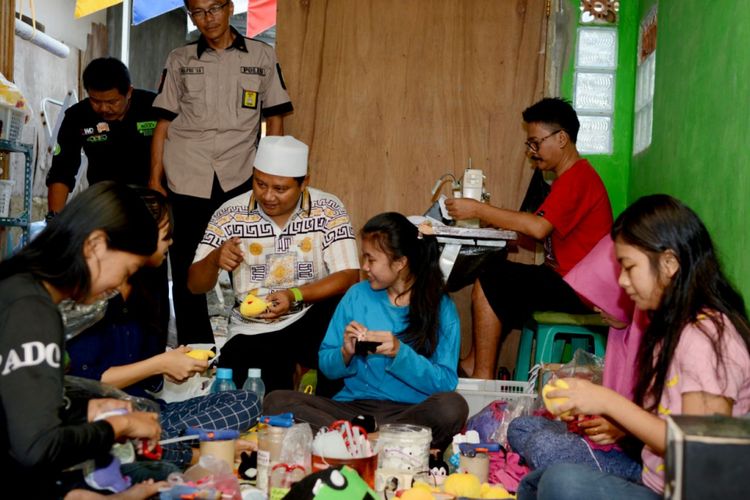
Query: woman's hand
x=103, y=405
x=137, y=424
x=389, y=344
x=601, y=431
x=352, y=333
x=583, y=398
x=178, y=366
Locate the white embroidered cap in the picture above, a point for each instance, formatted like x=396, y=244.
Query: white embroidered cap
x=282, y=155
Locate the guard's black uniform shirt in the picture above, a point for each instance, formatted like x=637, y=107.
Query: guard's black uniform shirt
x=118, y=150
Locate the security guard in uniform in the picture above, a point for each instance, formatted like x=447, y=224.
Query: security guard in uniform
x=114, y=126
x=210, y=103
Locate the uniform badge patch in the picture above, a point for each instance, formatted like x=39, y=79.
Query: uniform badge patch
x=146, y=128
x=252, y=70
x=249, y=99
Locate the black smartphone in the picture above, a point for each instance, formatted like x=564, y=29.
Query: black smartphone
x=365, y=347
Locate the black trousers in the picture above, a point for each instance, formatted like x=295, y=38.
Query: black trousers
x=277, y=353
x=445, y=412
x=191, y=216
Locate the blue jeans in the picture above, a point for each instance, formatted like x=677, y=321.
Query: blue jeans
x=543, y=442
x=576, y=482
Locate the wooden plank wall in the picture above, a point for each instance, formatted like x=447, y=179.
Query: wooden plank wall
x=391, y=94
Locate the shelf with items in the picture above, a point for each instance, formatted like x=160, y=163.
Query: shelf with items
x=23, y=219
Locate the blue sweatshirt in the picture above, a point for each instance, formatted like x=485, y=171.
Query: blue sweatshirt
x=407, y=378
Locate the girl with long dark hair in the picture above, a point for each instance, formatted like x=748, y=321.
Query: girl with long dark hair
x=101, y=237
x=403, y=308
x=693, y=358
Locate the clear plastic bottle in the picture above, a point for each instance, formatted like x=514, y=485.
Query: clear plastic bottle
x=255, y=383
x=223, y=381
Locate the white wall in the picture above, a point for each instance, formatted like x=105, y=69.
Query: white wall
x=59, y=20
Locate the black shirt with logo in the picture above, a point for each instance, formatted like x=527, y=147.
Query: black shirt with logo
x=39, y=436
x=116, y=150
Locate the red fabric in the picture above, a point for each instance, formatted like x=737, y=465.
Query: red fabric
x=261, y=15
x=578, y=208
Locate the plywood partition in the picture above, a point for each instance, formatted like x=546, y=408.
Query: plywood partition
x=391, y=94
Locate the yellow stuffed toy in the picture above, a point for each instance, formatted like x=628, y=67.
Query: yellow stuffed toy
x=494, y=491
x=552, y=404
x=462, y=484
x=253, y=306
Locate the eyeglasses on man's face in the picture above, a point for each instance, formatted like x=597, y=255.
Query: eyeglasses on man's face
x=533, y=145
x=214, y=10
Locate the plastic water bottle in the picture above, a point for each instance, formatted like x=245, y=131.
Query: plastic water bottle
x=255, y=383
x=223, y=381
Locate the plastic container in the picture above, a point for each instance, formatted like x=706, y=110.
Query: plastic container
x=270, y=440
x=365, y=466
x=403, y=451
x=254, y=383
x=223, y=381
x=6, y=191
x=478, y=393
x=11, y=123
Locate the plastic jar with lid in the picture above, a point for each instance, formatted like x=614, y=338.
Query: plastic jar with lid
x=403, y=451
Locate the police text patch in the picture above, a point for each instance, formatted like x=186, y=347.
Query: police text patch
x=252, y=70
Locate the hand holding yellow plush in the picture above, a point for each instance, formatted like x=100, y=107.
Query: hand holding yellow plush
x=552, y=404
x=201, y=354
x=253, y=306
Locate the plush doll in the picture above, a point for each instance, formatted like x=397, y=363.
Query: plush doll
x=335, y=483
x=462, y=484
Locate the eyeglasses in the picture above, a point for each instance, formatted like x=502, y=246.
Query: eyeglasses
x=533, y=145
x=200, y=14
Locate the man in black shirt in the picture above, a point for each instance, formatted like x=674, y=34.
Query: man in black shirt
x=114, y=126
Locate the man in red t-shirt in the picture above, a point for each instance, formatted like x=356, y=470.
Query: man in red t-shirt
x=573, y=218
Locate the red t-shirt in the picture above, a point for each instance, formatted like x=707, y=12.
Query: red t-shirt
x=578, y=208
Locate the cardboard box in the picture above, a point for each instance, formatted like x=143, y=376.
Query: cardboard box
x=707, y=457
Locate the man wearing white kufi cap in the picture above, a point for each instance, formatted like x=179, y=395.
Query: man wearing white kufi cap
x=290, y=244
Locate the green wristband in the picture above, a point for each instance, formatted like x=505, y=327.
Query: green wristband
x=297, y=294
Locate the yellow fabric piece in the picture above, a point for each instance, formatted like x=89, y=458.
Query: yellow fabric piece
x=86, y=7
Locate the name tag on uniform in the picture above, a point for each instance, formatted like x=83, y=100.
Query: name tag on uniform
x=252, y=70
x=249, y=99
x=191, y=70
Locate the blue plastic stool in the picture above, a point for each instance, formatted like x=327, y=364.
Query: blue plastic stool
x=546, y=329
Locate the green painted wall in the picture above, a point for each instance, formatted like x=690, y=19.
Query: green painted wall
x=699, y=152
x=615, y=169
